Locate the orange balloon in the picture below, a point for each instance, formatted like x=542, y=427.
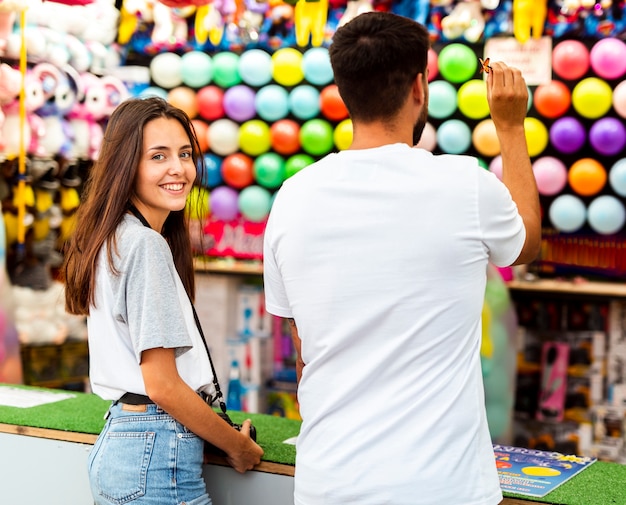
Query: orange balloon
x=285, y=136
x=237, y=170
x=202, y=130
x=331, y=104
x=552, y=99
x=184, y=98
x=485, y=139
x=586, y=176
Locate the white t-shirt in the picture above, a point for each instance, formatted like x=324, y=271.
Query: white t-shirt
x=380, y=256
x=144, y=307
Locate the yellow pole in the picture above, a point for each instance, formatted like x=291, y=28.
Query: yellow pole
x=21, y=185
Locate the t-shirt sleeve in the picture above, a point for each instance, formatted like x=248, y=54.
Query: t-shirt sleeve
x=276, y=301
x=148, y=296
x=502, y=227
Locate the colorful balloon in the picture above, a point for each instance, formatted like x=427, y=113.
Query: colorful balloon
x=285, y=136
x=606, y=215
x=472, y=99
x=608, y=58
x=433, y=64
x=568, y=135
x=608, y=136
x=316, y=137
x=617, y=177
x=165, y=70
x=239, y=103
x=567, y=213
x=272, y=102
x=223, y=137
x=342, y=136
x=587, y=176
x=197, y=206
x=224, y=203
x=196, y=69
x=570, y=59
x=552, y=99
x=269, y=170
x=316, y=66
x=485, y=138
x=442, y=99
x=226, y=69
x=550, y=175
x=184, y=98
x=237, y=170
x=592, y=97
x=254, y=137
x=619, y=99
x=428, y=140
x=536, y=136
x=457, y=63
x=255, y=67
x=287, y=66
x=213, y=171
x=210, y=101
x=202, y=131
x=296, y=163
x=495, y=166
x=331, y=104
x=454, y=136
x=254, y=203
x=304, y=101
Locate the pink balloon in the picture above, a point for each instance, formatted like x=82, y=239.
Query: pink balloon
x=550, y=174
x=619, y=99
x=570, y=59
x=608, y=58
x=433, y=64
x=496, y=166
x=428, y=141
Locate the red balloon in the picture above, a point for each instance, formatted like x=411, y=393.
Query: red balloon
x=210, y=100
x=552, y=99
x=331, y=104
x=285, y=136
x=237, y=170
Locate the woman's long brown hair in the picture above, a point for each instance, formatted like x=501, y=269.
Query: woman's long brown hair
x=107, y=196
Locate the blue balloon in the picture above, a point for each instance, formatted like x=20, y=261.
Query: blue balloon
x=213, y=171
x=196, y=69
x=304, y=101
x=272, y=102
x=454, y=136
x=316, y=66
x=255, y=67
x=617, y=177
x=606, y=215
x=153, y=91
x=441, y=99
x=567, y=213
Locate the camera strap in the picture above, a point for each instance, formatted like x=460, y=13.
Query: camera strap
x=218, y=396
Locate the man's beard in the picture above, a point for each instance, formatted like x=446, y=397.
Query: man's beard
x=419, y=126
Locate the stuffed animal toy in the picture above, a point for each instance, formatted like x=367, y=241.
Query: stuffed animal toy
x=529, y=17
x=465, y=21
x=10, y=85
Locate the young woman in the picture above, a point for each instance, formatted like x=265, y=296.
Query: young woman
x=129, y=268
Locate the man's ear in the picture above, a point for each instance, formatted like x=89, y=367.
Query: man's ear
x=419, y=88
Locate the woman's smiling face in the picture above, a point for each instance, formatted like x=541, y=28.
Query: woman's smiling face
x=166, y=172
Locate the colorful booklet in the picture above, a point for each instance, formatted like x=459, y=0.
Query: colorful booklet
x=530, y=472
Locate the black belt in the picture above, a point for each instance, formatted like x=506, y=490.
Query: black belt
x=135, y=399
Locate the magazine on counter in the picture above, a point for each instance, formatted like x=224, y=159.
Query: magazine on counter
x=530, y=472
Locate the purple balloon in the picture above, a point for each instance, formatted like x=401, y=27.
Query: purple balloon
x=239, y=103
x=567, y=135
x=607, y=136
x=224, y=202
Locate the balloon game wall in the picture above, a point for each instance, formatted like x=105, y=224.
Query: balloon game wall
x=256, y=79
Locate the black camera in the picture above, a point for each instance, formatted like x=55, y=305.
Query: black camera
x=215, y=451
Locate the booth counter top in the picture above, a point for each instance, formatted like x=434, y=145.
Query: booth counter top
x=80, y=418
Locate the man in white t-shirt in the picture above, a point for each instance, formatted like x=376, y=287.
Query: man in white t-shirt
x=378, y=255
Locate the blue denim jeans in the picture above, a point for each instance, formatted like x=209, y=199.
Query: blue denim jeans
x=144, y=456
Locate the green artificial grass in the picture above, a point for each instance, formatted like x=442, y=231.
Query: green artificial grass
x=602, y=483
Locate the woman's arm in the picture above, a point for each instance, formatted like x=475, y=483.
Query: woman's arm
x=165, y=388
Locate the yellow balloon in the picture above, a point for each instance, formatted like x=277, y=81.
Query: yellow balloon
x=197, y=206
x=592, y=97
x=485, y=139
x=536, y=136
x=287, y=66
x=255, y=137
x=342, y=136
x=472, y=99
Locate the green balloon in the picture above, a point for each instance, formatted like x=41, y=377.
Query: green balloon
x=226, y=69
x=269, y=170
x=316, y=137
x=296, y=163
x=457, y=63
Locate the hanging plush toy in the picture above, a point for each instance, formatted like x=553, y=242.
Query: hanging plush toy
x=466, y=21
x=529, y=17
